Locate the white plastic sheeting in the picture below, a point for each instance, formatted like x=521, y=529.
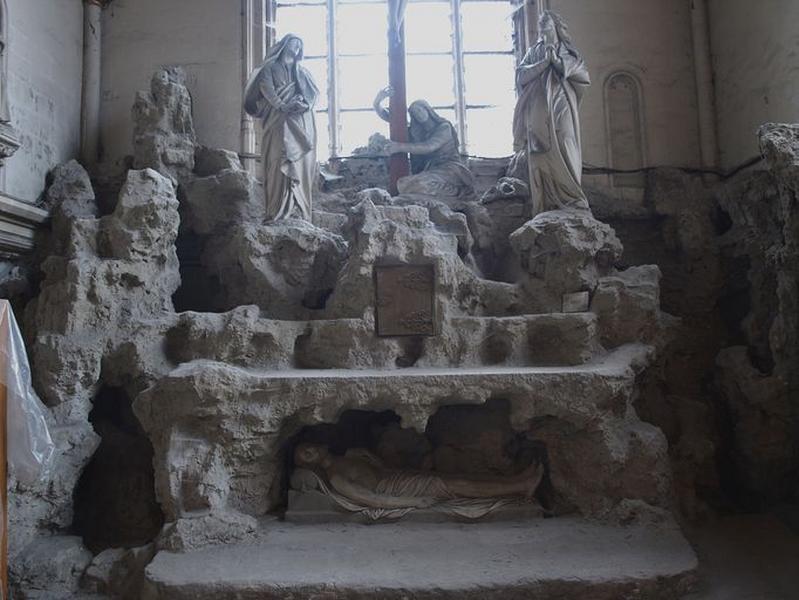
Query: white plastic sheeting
x=30, y=447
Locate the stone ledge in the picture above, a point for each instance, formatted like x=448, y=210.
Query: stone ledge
x=544, y=559
x=18, y=223
x=620, y=363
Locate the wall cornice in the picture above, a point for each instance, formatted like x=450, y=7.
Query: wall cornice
x=18, y=223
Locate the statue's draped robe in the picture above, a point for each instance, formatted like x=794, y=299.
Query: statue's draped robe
x=410, y=484
x=288, y=148
x=441, y=173
x=546, y=125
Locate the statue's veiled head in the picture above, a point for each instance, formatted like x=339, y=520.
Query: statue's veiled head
x=310, y=455
x=424, y=120
x=423, y=115
x=289, y=43
x=419, y=111
x=294, y=47
x=552, y=29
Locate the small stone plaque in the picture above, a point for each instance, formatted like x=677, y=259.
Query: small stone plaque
x=576, y=302
x=405, y=300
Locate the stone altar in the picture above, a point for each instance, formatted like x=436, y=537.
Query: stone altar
x=288, y=354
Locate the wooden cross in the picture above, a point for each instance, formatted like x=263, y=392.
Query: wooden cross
x=398, y=103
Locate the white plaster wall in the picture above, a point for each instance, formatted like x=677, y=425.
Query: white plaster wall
x=44, y=66
x=755, y=48
x=652, y=40
x=203, y=36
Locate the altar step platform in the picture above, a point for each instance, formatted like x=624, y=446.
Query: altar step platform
x=544, y=559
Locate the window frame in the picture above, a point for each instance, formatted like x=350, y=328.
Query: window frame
x=461, y=106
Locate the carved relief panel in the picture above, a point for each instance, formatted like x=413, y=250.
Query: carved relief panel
x=405, y=300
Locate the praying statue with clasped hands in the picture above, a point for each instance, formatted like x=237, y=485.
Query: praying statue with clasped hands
x=550, y=82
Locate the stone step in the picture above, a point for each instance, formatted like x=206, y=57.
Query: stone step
x=542, y=559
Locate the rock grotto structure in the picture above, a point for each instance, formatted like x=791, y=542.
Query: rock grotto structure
x=173, y=324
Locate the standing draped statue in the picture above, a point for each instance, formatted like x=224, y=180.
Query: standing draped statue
x=282, y=93
x=550, y=82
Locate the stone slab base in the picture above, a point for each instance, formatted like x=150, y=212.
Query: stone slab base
x=546, y=559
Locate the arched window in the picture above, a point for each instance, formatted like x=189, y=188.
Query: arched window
x=459, y=57
x=625, y=118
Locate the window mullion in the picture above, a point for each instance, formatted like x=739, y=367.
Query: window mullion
x=460, y=93
x=332, y=79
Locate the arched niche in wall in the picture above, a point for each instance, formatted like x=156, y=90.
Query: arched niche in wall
x=625, y=128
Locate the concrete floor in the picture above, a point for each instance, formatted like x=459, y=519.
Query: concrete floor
x=747, y=557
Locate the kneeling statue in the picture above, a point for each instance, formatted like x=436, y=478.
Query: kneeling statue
x=360, y=482
x=437, y=169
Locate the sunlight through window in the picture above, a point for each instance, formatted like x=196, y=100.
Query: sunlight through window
x=482, y=96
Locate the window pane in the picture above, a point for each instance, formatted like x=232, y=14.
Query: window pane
x=428, y=27
x=489, y=79
x=447, y=113
x=318, y=69
x=308, y=22
x=430, y=78
x=487, y=26
x=322, y=137
x=360, y=78
x=357, y=127
x=362, y=28
x=490, y=131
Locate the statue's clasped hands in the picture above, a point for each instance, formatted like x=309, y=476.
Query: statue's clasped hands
x=296, y=105
x=551, y=56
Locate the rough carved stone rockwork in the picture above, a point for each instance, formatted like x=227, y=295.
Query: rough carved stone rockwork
x=163, y=133
x=103, y=307
x=757, y=377
x=291, y=349
x=720, y=390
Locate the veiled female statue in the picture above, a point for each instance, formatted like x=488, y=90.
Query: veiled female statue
x=437, y=168
x=282, y=93
x=550, y=82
